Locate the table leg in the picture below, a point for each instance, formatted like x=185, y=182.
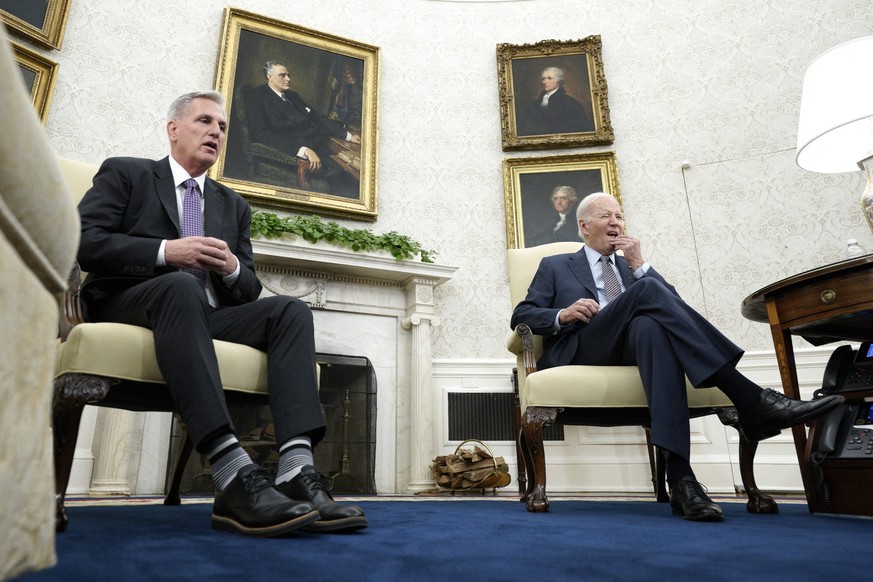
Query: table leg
x=791, y=387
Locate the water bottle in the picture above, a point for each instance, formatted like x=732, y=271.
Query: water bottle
x=853, y=249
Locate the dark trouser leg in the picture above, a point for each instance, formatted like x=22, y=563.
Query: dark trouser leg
x=282, y=326
x=664, y=383
x=174, y=307
x=699, y=347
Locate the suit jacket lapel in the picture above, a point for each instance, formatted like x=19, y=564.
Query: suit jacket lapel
x=166, y=190
x=578, y=264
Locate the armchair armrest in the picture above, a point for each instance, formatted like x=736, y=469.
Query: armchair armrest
x=72, y=306
x=521, y=343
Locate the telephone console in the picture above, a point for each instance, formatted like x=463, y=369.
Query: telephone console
x=847, y=432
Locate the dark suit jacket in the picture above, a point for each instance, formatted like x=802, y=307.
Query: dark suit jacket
x=563, y=115
x=560, y=281
x=132, y=207
x=569, y=231
x=286, y=125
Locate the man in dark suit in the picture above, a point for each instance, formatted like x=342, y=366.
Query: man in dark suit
x=168, y=248
x=283, y=120
x=596, y=307
x=554, y=111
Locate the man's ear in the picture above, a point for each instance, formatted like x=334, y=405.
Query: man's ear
x=172, y=129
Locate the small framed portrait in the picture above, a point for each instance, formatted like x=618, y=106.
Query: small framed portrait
x=553, y=95
x=40, y=21
x=541, y=195
x=302, y=117
x=38, y=74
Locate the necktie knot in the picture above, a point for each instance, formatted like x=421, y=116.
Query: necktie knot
x=611, y=286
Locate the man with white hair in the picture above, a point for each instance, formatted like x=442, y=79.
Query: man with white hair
x=596, y=307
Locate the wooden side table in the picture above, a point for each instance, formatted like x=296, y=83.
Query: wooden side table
x=827, y=304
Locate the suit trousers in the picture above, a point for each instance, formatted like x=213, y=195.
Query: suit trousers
x=650, y=327
x=175, y=308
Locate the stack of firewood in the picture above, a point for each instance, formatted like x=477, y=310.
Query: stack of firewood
x=473, y=468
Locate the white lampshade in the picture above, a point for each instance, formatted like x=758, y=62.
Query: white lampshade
x=835, y=130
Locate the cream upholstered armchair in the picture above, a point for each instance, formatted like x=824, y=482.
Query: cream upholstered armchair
x=593, y=396
x=114, y=364
x=39, y=233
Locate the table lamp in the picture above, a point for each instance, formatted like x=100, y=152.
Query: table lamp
x=835, y=129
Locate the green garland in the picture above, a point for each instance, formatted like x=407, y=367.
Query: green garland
x=313, y=229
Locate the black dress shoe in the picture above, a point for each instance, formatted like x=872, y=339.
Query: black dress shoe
x=309, y=486
x=689, y=499
x=251, y=505
x=775, y=411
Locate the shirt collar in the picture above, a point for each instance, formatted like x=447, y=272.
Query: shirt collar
x=594, y=256
x=180, y=175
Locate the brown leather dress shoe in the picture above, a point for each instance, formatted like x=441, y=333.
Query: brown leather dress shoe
x=689, y=499
x=251, y=505
x=309, y=486
x=775, y=411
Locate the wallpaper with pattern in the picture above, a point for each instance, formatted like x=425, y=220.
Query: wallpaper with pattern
x=714, y=84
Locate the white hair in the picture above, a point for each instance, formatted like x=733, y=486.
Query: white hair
x=582, y=211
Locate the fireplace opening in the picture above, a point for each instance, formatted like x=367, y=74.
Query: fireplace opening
x=346, y=455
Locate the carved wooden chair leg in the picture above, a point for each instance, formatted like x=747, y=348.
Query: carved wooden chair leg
x=657, y=468
x=759, y=502
x=535, y=418
x=526, y=460
x=71, y=393
x=519, y=445
x=173, y=497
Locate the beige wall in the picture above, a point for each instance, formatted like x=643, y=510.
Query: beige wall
x=714, y=82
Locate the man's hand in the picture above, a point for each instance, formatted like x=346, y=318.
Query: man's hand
x=631, y=249
x=582, y=310
x=200, y=252
x=355, y=138
x=314, y=160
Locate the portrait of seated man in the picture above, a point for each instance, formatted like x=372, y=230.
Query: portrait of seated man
x=284, y=121
x=554, y=111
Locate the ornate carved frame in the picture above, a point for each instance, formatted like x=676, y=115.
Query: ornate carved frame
x=50, y=33
x=270, y=39
x=41, y=73
x=582, y=57
x=528, y=184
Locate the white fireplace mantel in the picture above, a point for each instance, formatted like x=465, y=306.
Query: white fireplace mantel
x=371, y=304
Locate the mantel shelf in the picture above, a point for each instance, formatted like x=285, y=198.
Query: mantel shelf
x=299, y=254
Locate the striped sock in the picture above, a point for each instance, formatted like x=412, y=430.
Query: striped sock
x=294, y=454
x=226, y=459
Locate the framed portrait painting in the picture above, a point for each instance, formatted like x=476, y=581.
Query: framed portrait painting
x=553, y=95
x=541, y=195
x=38, y=74
x=40, y=21
x=302, y=117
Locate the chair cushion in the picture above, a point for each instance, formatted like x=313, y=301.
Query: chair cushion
x=104, y=349
x=602, y=387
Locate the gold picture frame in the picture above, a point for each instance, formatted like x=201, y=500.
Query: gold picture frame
x=40, y=21
x=334, y=81
x=39, y=75
x=530, y=183
x=577, y=111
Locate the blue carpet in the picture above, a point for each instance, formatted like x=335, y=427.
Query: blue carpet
x=466, y=540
